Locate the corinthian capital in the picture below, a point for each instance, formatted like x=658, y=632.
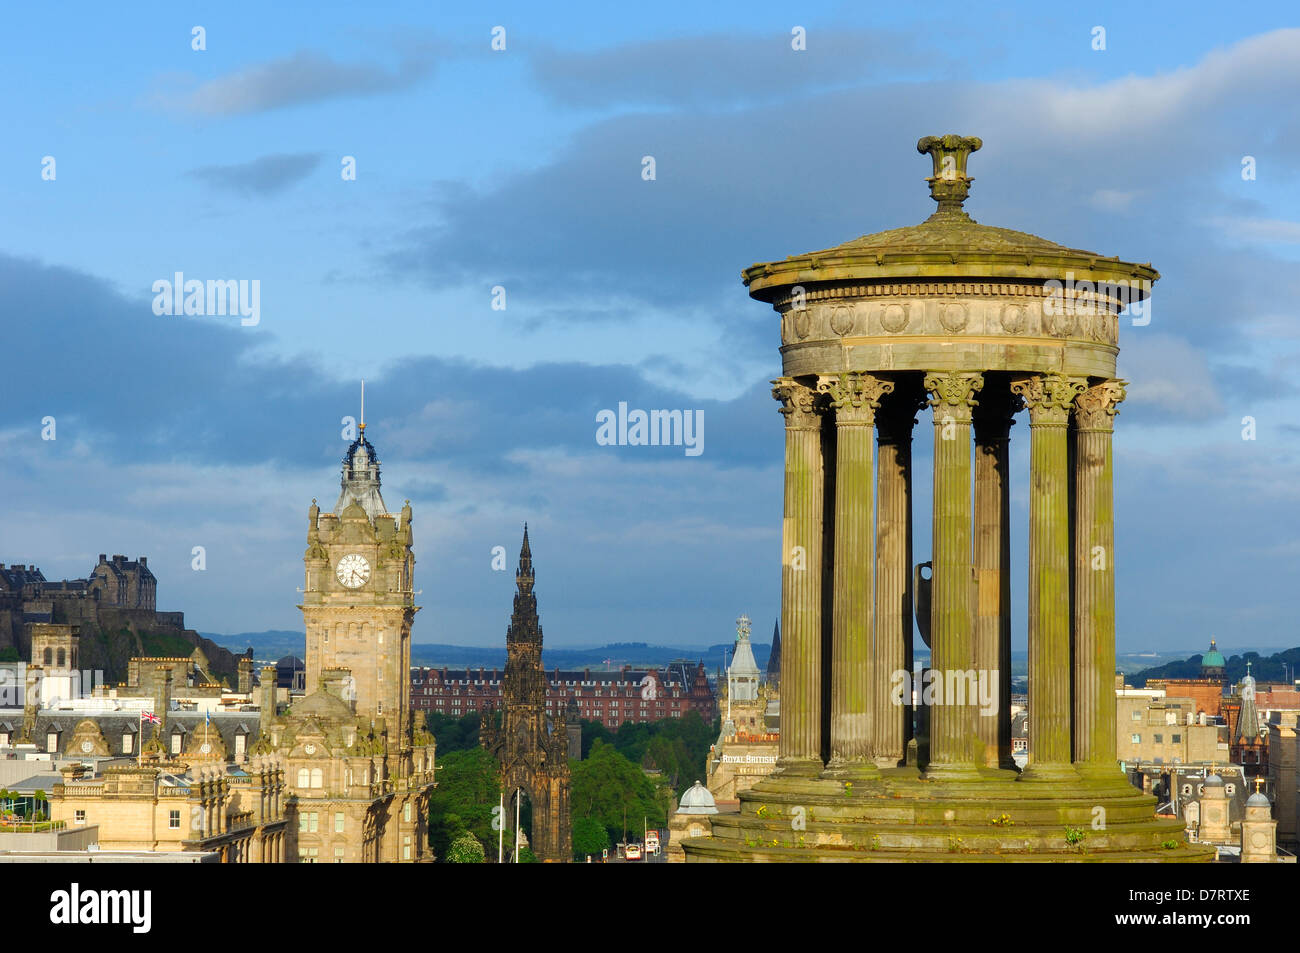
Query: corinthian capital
x=798, y=404
x=1096, y=407
x=1049, y=397
x=953, y=392
x=855, y=397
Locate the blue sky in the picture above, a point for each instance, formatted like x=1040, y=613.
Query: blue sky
x=521, y=168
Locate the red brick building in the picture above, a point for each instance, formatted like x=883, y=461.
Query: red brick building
x=628, y=694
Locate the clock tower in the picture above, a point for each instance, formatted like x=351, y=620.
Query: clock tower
x=358, y=602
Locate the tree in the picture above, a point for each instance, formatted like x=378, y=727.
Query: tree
x=606, y=785
x=589, y=837
x=466, y=849
x=469, y=787
x=454, y=734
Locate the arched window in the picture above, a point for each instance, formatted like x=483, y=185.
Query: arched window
x=317, y=778
x=49, y=656
x=304, y=778
x=63, y=658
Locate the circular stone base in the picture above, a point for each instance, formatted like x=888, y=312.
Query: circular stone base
x=904, y=816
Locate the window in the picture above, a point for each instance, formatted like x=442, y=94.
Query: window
x=338, y=854
x=174, y=820
x=128, y=743
x=338, y=823
x=1178, y=739
x=406, y=852
x=1160, y=739
x=308, y=821
x=239, y=745
x=52, y=741
x=1230, y=789
x=317, y=778
x=1135, y=738
x=63, y=658
x=1137, y=714
x=406, y=811
x=176, y=742
x=304, y=778
x=308, y=855
x=79, y=817
x=4, y=738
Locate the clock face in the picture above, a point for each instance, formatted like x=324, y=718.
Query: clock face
x=205, y=748
x=353, y=570
x=87, y=747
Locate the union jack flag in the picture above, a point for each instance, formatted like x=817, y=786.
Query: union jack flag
x=150, y=717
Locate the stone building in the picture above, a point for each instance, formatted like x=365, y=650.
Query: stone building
x=1247, y=734
x=347, y=767
x=113, y=612
x=1153, y=727
x=746, y=749
x=609, y=697
x=977, y=323
x=359, y=763
x=531, y=745
x=1283, y=777
x=237, y=812
x=693, y=818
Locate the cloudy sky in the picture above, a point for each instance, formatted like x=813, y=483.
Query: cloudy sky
x=521, y=169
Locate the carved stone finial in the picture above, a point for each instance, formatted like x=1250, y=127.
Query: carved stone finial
x=950, y=184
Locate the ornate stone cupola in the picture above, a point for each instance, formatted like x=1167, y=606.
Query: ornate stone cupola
x=360, y=481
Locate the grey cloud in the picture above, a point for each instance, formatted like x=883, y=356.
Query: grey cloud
x=724, y=68
x=263, y=176
x=171, y=388
x=304, y=77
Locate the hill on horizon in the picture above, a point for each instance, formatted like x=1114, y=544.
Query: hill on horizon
x=1278, y=667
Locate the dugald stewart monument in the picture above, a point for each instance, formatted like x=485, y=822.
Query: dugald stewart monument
x=978, y=324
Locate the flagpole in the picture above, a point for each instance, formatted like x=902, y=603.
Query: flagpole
x=139, y=749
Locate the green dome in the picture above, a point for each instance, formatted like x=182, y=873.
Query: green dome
x=1212, y=658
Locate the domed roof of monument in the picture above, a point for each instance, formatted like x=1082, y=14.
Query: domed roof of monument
x=697, y=800
x=1258, y=799
x=948, y=244
x=1213, y=781
x=1212, y=658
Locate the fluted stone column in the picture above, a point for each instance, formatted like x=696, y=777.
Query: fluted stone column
x=854, y=398
x=1049, y=398
x=952, y=719
x=1094, y=580
x=891, y=726
x=801, y=582
x=992, y=421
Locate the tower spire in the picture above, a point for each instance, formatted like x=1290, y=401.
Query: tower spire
x=363, y=406
x=524, y=574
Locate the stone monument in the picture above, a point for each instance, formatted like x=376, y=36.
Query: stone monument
x=977, y=323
